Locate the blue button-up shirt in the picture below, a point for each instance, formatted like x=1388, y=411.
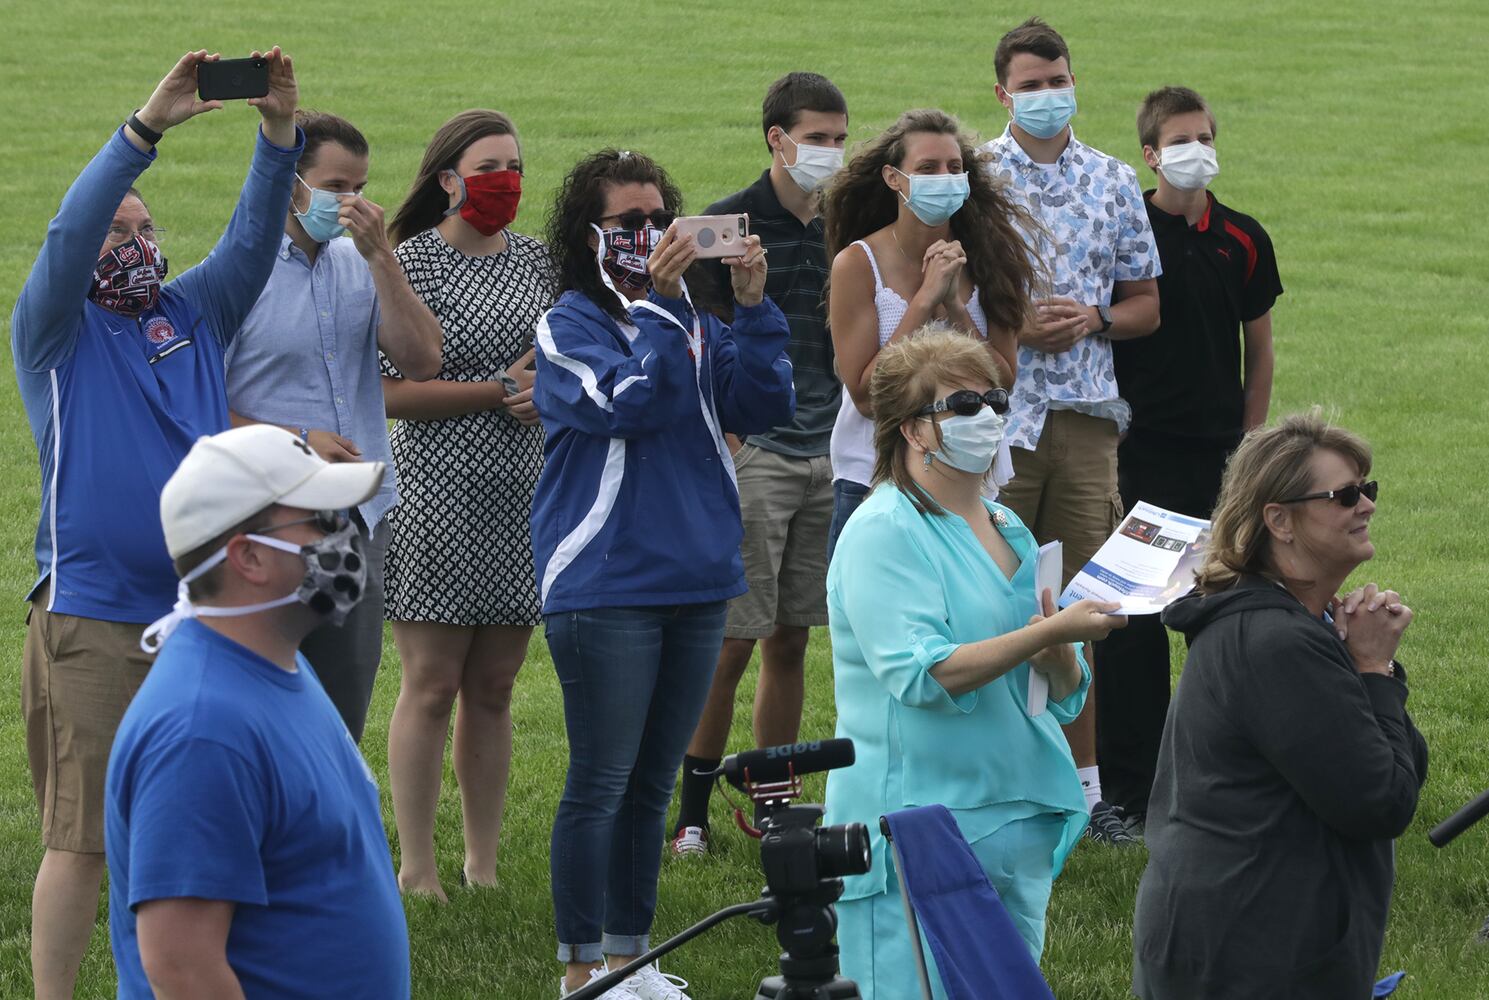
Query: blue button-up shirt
x=1095, y=233
x=307, y=356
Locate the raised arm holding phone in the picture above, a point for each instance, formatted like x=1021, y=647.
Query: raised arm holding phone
x=119, y=373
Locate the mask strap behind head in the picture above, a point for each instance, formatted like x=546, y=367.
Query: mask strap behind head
x=463, y=195
x=158, y=631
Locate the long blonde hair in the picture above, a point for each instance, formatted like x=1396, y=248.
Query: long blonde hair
x=1272, y=464
x=904, y=381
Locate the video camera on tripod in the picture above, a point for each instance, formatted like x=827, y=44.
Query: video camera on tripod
x=804, y=866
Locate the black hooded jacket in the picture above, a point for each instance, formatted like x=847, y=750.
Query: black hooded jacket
x=1283, y=779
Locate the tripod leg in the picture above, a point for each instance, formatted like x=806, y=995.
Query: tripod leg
x=914, y=925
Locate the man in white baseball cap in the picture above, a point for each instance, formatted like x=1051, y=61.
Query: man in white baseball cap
x=236, y=800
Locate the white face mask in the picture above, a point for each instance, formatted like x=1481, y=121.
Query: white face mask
x=814, y=164
x=1189, y=166
x=969, y=443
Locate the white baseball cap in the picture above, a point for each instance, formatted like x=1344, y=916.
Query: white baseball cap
x=227, y=478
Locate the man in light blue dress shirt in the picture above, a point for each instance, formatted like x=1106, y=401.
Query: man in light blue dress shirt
x=306, y=359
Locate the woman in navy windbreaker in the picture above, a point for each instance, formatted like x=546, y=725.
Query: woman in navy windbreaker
x=636, y=528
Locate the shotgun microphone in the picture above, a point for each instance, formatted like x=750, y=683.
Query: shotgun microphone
x=772, y=764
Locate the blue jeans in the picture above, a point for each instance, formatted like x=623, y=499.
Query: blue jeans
x=846, y=498
x=634, y=683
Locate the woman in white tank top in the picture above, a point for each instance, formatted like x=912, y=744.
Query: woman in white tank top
x=920, y=234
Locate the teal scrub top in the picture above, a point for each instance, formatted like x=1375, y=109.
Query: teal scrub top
x=904, y=590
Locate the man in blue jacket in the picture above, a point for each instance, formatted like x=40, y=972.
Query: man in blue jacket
x=119, y=373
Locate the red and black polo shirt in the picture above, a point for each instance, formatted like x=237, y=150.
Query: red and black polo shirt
x=1184, y=380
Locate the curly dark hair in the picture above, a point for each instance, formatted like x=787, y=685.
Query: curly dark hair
x=990, y=226
x=580, y=202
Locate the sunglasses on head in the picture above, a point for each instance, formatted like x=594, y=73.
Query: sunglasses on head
x=637, y=219
x=329, y=521
x=966, y=402
x=1349, y=496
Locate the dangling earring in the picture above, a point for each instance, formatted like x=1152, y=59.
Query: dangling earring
x=927, y=458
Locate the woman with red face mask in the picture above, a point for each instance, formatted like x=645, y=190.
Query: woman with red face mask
x=460, y=584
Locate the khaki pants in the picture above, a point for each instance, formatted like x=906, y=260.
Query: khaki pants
x=786, y=506
x=1067, y=487
x=78, y=677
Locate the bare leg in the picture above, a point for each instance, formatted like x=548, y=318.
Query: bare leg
x=64, y=906
x=781, y=692
x=712, y=733
x=483, y=741
x=433, y=656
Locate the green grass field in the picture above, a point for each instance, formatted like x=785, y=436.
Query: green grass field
x=1354, y=131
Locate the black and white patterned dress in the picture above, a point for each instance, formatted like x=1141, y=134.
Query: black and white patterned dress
x=460, y=551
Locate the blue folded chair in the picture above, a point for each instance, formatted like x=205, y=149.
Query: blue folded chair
x=979, y=953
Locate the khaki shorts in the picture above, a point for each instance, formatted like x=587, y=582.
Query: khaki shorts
x=78, y=676
x=786, y=505
x=1066, y=488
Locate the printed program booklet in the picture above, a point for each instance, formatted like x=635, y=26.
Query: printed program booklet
x=1147, y=564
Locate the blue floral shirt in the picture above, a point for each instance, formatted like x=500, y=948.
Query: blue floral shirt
x=1095, y=233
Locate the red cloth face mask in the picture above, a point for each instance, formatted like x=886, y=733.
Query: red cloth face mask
x=488, y=201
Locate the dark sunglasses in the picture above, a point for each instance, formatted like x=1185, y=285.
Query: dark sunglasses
x=966, y=402
x=329, y=521
x=637, y=219
x=1347, y=497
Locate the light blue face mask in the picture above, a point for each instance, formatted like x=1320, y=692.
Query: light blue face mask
x=1043, y=113
x=970, y=443
x=935, y=198
x=319, y=219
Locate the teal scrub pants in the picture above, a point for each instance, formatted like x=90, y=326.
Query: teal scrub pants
x=874, y=941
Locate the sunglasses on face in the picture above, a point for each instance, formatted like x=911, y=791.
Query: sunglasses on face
x=1347, y=497
x=637, y=219
x=329, y=521
x=966, y=402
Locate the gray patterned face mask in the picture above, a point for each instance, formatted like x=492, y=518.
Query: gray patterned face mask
x=335, y=578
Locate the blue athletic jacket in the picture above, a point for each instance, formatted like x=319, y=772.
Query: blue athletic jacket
x=115, y=401
x=637, y=504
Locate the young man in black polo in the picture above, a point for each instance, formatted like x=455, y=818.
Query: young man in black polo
x=785, y=479
x=1196, y=385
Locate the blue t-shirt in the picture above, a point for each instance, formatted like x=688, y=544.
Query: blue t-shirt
x=231, y=779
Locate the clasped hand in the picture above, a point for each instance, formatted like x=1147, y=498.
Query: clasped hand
x=1371, y=622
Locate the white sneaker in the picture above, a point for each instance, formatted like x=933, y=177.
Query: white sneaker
x=651, y=983
x=690, y=840
x=624, y=991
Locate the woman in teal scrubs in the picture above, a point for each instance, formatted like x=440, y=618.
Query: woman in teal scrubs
x=935, y=630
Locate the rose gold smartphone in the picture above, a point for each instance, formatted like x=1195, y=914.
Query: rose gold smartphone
x=715, y=235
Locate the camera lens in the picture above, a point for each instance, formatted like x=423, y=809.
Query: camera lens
x=842, y=850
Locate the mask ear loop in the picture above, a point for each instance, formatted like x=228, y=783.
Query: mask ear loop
x=625, y=303
x=463, y=195
x=158, y=631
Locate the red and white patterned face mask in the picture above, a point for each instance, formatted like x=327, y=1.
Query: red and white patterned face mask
x=127, y=278
x=623, y=253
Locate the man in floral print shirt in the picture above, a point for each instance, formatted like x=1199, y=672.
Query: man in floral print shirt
x=1097, y=250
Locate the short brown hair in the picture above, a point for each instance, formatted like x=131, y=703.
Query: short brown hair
x=1033, y=36
x=1271, y=465
x=794, y=93
x=208, y=584
x=321, y=128
x=904, y=381
x=1161, y=105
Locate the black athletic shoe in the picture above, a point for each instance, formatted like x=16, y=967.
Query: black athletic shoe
x=1106, y=827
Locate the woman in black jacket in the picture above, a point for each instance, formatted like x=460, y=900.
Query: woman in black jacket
x=1289, y=763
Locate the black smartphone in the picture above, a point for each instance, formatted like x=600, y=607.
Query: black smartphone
x=232, y=79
